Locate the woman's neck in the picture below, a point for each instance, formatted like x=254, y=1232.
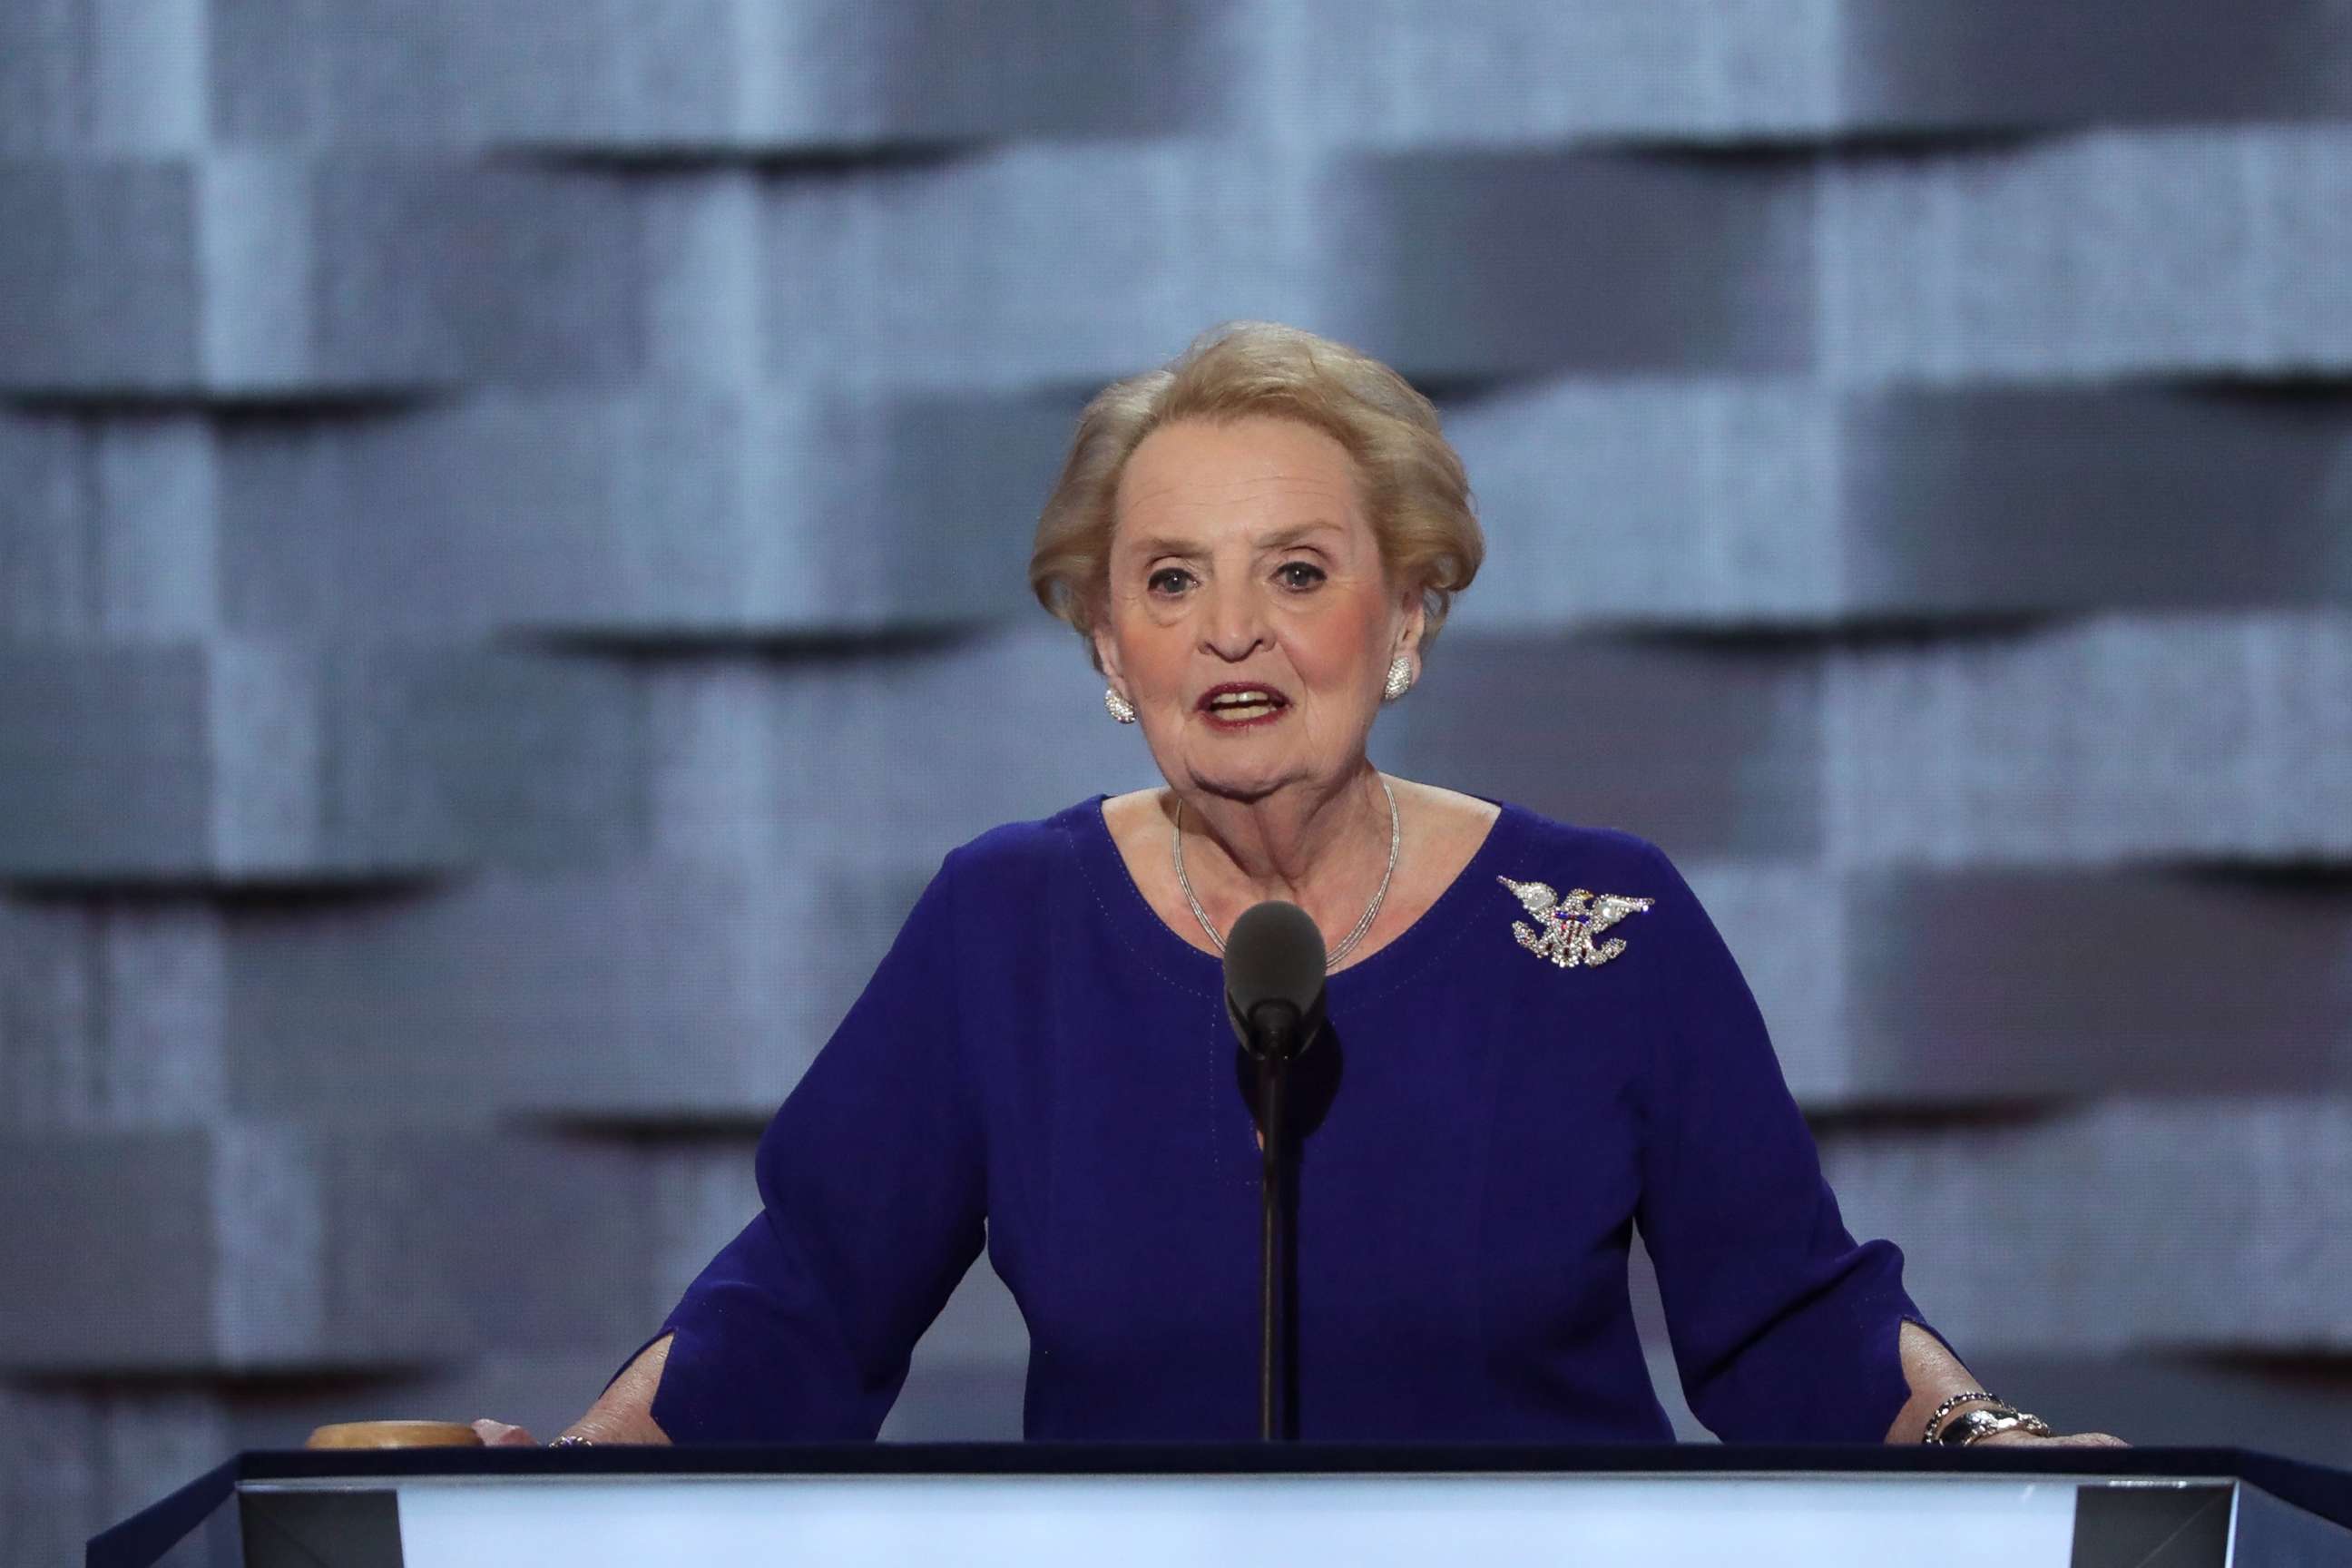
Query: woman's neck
x=1311, y=847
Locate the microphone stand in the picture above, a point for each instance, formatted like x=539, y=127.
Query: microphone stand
x=1274, y=1029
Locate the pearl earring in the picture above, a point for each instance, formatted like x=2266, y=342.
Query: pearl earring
x=1400, y=680
x=1118, y=707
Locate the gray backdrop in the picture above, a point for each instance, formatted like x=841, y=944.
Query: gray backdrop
x=512, y=516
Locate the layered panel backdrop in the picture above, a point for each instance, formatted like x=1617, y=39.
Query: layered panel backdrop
x=511, y=525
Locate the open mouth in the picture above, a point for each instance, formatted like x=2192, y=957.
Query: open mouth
x=1235, y=704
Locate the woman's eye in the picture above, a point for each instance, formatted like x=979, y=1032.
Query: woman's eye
x=1168, y=580
x=1299, y=574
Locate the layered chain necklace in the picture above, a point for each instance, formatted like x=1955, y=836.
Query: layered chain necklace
x=1371, y=910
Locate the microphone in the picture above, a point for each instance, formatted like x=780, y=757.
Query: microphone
x=1274, y=994
x=1274, y=979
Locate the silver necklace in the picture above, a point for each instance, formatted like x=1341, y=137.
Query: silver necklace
x=1371, y=910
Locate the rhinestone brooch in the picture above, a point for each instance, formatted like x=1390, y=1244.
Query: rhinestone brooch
x=1567, y=926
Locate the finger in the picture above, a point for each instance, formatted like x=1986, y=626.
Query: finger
x=2019, y=1439
x=498, y=1434
x=2016, y=1437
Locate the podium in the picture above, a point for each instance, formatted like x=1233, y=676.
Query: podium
x=1040, y=1506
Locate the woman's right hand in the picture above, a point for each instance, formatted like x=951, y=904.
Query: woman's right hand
x=498, y=1434
x=622, y=1413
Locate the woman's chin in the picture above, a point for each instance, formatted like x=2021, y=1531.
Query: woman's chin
x=1235, y=781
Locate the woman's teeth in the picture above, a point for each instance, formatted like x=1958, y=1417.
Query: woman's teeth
x=1238, y=706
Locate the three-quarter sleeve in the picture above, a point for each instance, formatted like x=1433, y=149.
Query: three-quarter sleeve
x=871, y=1182
x=1783, y=1327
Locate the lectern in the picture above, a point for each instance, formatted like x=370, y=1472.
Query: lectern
x=1040, y=1506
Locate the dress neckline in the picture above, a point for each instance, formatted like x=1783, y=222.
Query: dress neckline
x=1144, y=923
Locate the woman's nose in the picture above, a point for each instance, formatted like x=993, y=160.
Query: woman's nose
x=1233, y=623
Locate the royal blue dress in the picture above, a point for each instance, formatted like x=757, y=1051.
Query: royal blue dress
x=1042, y=1065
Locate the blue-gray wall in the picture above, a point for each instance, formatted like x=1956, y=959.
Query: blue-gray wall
x=510, y=525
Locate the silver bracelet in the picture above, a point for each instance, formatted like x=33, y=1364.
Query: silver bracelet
x=1946, y=1408
x=1970, y=1427
x=572, y=1440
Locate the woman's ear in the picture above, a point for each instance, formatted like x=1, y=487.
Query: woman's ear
x=1413, y=621
x=1106, y=659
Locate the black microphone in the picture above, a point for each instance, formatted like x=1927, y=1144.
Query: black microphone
x=1274, y=994
x=1274, y=979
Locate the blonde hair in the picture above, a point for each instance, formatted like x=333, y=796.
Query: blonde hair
x=1412, y=483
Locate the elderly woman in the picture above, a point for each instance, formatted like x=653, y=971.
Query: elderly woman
x=1545, y=1043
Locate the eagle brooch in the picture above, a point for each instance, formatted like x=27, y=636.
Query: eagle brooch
x=1570, y=924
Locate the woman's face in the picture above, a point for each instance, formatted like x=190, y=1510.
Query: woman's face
x=1250, y=620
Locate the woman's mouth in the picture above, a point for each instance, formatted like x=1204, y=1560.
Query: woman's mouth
x=1235, y=706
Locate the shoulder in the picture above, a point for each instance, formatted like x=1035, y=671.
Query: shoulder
x=1001, y=883
x=1591, y=853
x=1017, y=854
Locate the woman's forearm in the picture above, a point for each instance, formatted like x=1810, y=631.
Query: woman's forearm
x=624, y=1412
x=1935, y=1376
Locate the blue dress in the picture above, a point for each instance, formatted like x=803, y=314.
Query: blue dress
x=1041, y=1065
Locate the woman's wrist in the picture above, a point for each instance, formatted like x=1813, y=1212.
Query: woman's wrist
x=1967, y=1419
x=1970, y=1427
x=1951, y=1406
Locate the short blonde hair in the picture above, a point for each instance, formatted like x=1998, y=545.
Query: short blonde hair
x=1414, y=490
